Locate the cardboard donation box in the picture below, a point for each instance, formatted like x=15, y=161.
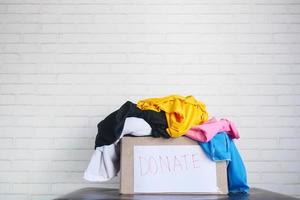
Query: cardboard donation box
x=175, y=165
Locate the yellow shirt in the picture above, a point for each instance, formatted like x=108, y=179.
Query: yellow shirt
x=181, y=112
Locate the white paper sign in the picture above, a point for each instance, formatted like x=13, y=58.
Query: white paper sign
x=180, y=168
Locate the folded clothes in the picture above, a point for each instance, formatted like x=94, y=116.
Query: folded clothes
x=206, y=131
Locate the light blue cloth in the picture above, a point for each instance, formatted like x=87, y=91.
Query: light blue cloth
x=221, y=147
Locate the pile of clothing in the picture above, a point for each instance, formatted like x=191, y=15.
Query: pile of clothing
x=170, y=116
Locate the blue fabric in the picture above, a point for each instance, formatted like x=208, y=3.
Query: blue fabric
x=221, y=147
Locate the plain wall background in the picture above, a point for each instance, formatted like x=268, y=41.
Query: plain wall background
x=66, y=64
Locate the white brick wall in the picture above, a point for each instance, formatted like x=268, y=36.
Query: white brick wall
x=66, y=64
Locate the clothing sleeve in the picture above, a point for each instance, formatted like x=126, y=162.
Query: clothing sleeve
x=221, y=147
x=104, y=164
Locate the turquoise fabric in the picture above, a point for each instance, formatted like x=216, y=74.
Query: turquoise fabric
x=221, y=147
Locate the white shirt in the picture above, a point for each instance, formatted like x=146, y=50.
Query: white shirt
x=105, y=161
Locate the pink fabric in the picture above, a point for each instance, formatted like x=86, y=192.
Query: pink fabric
x=206, y=131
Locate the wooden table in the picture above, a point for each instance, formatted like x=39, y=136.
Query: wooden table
x=113, y=194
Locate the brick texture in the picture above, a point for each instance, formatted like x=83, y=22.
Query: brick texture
x=65, y=65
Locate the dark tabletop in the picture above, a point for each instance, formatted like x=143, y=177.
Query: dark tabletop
x=113, y=194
